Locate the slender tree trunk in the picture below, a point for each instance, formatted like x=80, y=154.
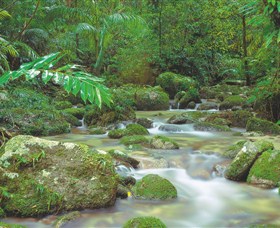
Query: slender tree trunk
x=245, y=52
x=160, y=28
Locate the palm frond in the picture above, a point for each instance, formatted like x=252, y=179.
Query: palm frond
x=85, y=27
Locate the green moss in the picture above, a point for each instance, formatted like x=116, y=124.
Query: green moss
x=74, y=121
x=231, y=101
x=64, y=219
x=131, y=129
x=154, y=187
x=97, y=131
x=264, y=126
x=8, y=225
x=204, y=126
x=144, y=222
x=184, y=98
x=123, y=157
x=59, y=105
x=135, y=139
x=265, y=170
x=77, y=112
x=232, y=151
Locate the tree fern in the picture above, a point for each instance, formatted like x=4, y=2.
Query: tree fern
x=70, y=77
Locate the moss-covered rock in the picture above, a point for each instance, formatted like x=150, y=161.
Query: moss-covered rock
x=205, y=126
x=77, y=112
x=239, y=168
x=162, y=142
x=173, y=83
x=154, y=187
x=233, y=150
x=45, y=176
x=8, y=225
x=151, y=98
x=135, y=139
x=145, y=122
x=183, y=98
x=144, y=222
x=30, y=112
x=122, y=191
x=232, y=101
x=72, y=120
x=124, y=158
x=266, y=170
x=60, y=105
x=180, y=119
x=131, y=129
x=67, y=218
x=264, y=126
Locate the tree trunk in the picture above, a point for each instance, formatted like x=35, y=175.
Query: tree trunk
x=245, y=52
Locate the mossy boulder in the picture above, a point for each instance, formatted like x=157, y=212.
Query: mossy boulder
x=144, y=222
x=60, y=105
x=173, y=83
x=233, y=150
x=180, y=119
x=131, y=129
x=145, y=122
x=66, y=219
x=72, y=120
x=134, y=139
x=266, y=170
x=77, y=112
x=30, y=112
x=239, y=168
x=231, y=102
x=124, y=158
x=44, y=177
x=183, y=98
x=151, y=98
x=205, y=126
x=162, y=142
x=264, y=126
x=154, y=187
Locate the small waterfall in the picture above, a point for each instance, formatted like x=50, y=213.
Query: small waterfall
x=178, y=105
x=124, y=171
x=83, y=126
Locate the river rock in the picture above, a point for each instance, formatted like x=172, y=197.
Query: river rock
x=145, y=122
x=124, y=158
x=239, y=168
x=154, y=187
x=62, y=220
x=205, y=126
x=266, y=170
x=45, y=177
x=191, y=105
x=169, y=128
x=162, y=142
x=264, y=126
x=208, y=106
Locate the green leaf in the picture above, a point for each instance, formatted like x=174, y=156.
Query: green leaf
x=46, y=76
x=76, y=86
x=5, y=78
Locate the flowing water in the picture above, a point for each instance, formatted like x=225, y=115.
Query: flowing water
x=205, y=199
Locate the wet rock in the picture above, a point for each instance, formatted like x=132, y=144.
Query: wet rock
x=144, y=222
x=122, y=192
x=207, y=106
x=97, y=131
x=162, y=142
x=124, y=158
x=264, y=126
x=266, y=170
x=252, y=134
x=128, y=181
x=45, y=177
x=180, y=119
x=66, y=219
x=191, y=105
x=239, y=168
x=145, y=122
x=154, y=187
x=153, y=163
x=134, y=139
x=169, y=128
x=232, y=101
x=233, y=150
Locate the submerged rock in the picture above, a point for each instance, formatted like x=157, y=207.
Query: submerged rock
x=67, y=218
x=154, y=187
x=239, y=168
x=205, y=126
x=45, y=176
x=162, y=142
x=266, y=170
x=144, y=222
x=170, y=128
